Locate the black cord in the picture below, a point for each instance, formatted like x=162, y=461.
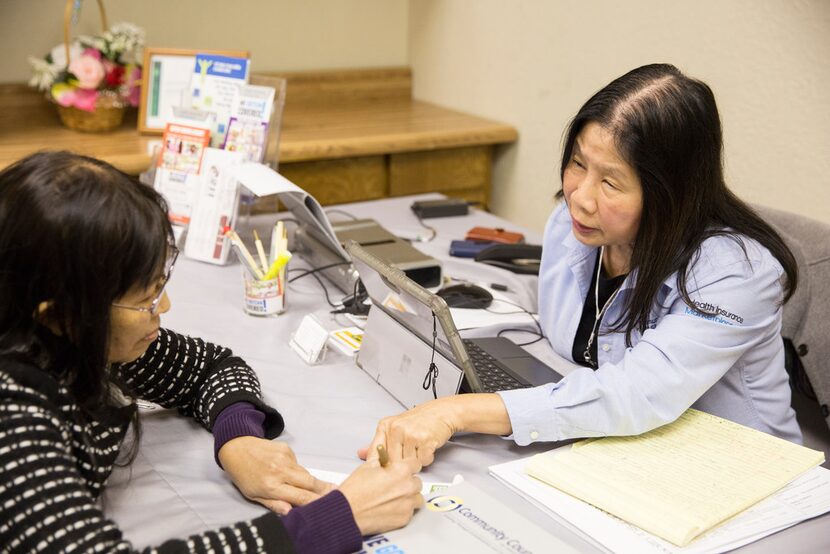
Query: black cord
x=540, y=334
x=313, y=270
x=313, y=273
x=354, y=303
x=431, y=378
x=431, y=229
x=532, y=316
x=517, y=330
x=347, y=214
x=325, y=290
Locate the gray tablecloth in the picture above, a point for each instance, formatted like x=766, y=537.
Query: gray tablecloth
x=174, y=487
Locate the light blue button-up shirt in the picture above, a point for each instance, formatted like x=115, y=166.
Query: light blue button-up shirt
x=730, y=365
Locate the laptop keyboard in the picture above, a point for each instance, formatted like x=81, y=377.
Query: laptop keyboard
x=493, y=378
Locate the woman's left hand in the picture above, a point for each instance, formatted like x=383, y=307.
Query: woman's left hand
x=267, y=472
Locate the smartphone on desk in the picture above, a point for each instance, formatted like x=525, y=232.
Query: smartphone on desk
x=468, y=248
x=494, y=234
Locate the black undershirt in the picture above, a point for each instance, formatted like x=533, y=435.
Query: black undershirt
x=607, y=286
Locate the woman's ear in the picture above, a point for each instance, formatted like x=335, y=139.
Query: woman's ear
x=44, y=314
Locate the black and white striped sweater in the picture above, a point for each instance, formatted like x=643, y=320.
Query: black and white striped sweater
x=54, y=460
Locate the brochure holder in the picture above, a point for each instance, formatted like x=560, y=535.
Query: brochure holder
x=204, y=198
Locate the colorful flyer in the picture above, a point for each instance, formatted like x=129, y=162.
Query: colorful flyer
x=214, y=85
x=183, y=147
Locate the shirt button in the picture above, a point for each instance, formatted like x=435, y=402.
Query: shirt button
x=606, y=347
x=534, y=435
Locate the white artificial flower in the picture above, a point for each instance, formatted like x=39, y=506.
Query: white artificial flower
x=128, y=29
x=58, y=55
x=128, y=41
x=44, y=73
x=93, y=42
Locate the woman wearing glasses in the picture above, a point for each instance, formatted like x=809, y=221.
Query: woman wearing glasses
x=85, y=254
x=665, y=286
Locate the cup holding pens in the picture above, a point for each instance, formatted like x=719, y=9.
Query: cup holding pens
x=263, y=297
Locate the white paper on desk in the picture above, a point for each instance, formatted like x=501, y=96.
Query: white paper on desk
x=214, y=207
x=806, y=497
x=426, y=487
x=264, y=181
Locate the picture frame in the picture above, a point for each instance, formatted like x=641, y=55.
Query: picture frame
x=165, y=75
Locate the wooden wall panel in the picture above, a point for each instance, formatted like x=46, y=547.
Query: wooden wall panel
x=453, y=171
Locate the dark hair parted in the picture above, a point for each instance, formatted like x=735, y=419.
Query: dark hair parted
x=75, y=235
x=666, y=126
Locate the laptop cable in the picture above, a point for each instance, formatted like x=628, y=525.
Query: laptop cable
x=431, y=378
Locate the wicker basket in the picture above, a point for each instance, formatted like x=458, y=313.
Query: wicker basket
x=109, y=108
x=108, y=114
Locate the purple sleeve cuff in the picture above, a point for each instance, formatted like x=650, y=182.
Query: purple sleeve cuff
x=325, y=526
x=240, y=419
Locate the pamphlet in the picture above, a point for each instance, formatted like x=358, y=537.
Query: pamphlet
x=213, y=87
x=214, y=208
x=179, y=164
x=182, y=148
x=248, y=124
x=463, y=518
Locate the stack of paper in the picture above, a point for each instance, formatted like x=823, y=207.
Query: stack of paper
x=677, y=482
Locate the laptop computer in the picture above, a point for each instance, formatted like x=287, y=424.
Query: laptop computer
x=406, y=320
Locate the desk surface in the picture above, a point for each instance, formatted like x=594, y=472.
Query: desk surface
x=311, y=130
x=174, y=487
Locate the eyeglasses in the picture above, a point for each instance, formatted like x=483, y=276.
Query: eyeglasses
x=153, y=308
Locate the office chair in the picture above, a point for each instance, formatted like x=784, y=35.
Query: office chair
x=806, y=325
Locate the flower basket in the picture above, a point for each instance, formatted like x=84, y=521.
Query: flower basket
x=107, y=116
x=92, y=79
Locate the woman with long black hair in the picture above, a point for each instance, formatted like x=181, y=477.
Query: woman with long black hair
x=656, y=278
x=85, y=254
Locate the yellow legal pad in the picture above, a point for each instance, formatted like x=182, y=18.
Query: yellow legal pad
x=678, y=480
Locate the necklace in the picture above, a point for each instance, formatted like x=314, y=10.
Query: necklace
x=599, y=312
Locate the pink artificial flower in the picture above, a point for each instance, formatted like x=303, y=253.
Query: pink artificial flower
x=81, y=98
x=85, y=99
x=132, y=81
x=88, y=69
x=93, y=53
x=63, y=94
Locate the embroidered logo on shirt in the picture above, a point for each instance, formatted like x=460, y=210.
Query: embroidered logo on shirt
x=714, y=313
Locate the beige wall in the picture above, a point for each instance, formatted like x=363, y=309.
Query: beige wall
x=280, y=34
x=532, y=63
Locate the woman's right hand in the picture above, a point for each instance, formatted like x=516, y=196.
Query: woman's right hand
x=420, y=431
x=383, y=498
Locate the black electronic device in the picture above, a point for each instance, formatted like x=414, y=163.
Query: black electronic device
x=518, y=258
x=466, y=295
x=447, y=207
x=311, y=244
x=467, y=248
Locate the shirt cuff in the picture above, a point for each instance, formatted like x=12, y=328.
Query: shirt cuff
x=325, y=526
x=240, y=419
x=531, y=414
